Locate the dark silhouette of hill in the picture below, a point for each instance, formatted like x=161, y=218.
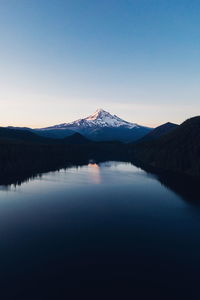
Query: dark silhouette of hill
x=159, y=131
x=8, y=135
x=50, y=133
x=77, y=139
x=176, y=151
x=19, y=135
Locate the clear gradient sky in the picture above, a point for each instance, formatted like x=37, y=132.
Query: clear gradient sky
x=60, y=60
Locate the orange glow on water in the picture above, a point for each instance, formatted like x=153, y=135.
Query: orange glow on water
x=95, y=172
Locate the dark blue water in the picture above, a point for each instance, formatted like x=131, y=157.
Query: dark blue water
x=109, y=229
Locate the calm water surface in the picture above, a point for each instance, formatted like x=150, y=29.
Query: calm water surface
x=110, y=227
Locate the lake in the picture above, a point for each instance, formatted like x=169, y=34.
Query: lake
x=99, y=229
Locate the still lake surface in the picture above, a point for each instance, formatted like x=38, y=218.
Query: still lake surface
x=96, y=227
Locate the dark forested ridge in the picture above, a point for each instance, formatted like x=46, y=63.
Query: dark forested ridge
x=159, y=131
x=176, y=151
x=20, y=135
x=25, y=135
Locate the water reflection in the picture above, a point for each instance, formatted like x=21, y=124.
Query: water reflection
x=95, y=172
x=5, y=188
x=184, y=186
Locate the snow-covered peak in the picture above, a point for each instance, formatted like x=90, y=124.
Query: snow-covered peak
x=100, y=118
x=99, y=112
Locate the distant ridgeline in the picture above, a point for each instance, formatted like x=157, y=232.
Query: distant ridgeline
x=169, y=147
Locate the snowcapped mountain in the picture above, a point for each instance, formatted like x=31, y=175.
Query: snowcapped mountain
x=100, y=126
x=100, y=118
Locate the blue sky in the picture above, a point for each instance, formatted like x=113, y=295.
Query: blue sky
x=60, y=60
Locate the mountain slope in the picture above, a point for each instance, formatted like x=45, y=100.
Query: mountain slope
x=159, y=131
x=177, y=151
x=102, y=126
x=54, y=133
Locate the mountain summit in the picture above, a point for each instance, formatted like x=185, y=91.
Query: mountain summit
x=100, y=118
x=105, y=119
x=101, y=126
